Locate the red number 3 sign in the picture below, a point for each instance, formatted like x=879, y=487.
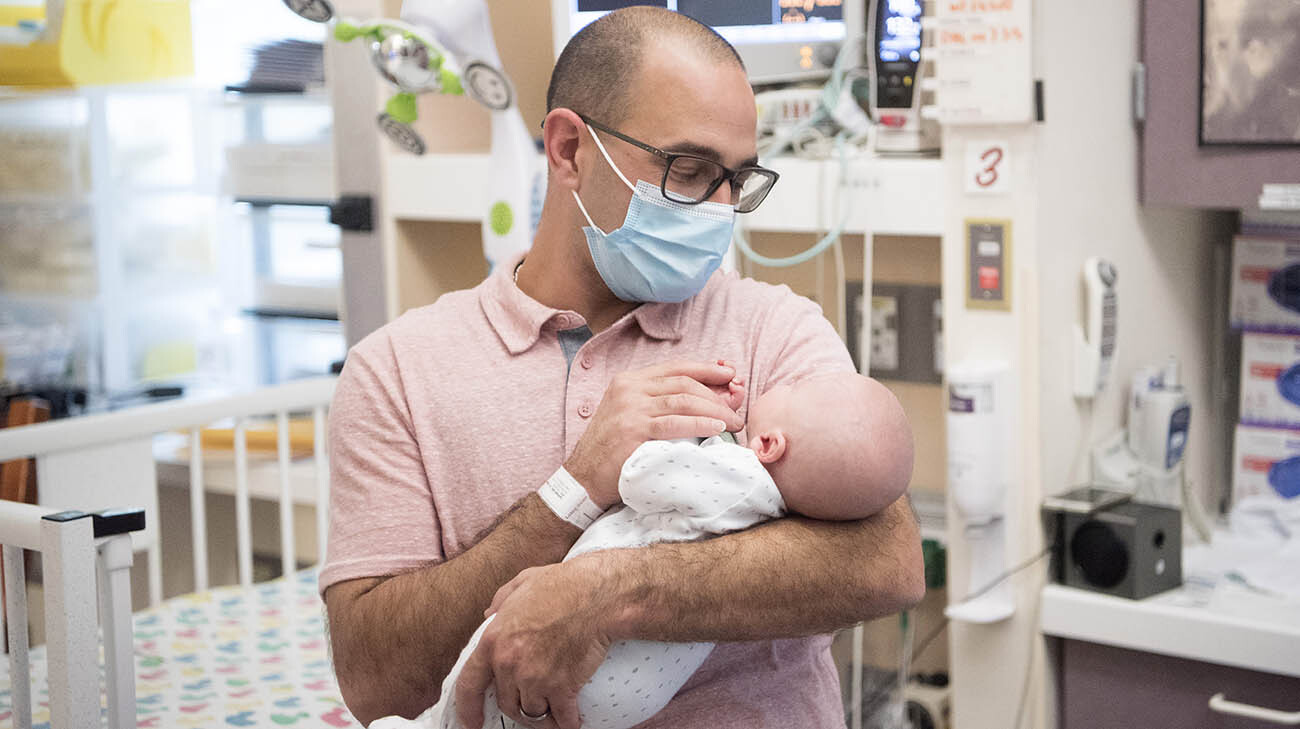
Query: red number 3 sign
x=989, y=173
x=987, y=167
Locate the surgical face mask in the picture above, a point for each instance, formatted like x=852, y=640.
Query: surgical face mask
x=665, y=251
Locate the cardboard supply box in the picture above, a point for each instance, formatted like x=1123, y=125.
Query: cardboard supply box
x=1266, y=463
x=1270, y=380
x=1265, y=283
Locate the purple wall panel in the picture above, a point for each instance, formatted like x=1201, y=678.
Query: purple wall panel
x=1176, y=171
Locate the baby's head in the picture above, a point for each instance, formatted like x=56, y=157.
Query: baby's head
x=838, y=446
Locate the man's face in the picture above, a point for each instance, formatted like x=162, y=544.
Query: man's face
x=681, y=102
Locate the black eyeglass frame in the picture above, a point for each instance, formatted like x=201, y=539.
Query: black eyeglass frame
x=728, y=174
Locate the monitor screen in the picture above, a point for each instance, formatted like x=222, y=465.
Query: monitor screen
x=899, y=30
x=742, y=22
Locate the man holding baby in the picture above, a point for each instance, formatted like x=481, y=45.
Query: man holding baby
x=473, y=439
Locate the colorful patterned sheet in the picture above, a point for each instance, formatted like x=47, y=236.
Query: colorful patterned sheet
x=225, y=658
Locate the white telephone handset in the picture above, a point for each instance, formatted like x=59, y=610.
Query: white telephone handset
x=1094, y=342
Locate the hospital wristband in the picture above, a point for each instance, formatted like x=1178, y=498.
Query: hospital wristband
x=568, y=499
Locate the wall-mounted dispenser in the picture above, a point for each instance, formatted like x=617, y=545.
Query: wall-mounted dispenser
x=980, y=412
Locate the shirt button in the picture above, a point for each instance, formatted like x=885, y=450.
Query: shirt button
x=586, y=363
x=584, y=410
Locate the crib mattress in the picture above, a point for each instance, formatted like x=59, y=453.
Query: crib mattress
x=229, y=657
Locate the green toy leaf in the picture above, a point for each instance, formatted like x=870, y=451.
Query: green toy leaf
x=450, y=82
x=346, y=31
x=402, y=107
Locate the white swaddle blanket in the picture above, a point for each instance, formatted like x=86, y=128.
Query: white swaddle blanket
x=672, y=491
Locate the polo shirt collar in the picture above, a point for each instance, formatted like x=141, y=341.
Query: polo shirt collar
x=518, y=319
x=662, y=321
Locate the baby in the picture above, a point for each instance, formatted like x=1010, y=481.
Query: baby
x=826, y=447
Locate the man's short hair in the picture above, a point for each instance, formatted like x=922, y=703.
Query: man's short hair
x=596, y=72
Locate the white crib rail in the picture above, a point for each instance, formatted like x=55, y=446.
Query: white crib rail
x=73, y=558
x=59, y=438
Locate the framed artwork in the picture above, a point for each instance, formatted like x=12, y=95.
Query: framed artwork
x=1250, y=72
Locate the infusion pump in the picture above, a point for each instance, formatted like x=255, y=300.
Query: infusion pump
x=895, y=58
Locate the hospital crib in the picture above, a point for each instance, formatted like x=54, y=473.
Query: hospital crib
x=249, y=655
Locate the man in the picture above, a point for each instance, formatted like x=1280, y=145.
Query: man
x=447, y=421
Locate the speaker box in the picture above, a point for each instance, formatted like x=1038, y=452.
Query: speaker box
x=1131, y=549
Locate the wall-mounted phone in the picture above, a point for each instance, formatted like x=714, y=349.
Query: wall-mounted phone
x=1094, y=341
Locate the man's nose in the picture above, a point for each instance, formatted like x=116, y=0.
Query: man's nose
x=723, y=194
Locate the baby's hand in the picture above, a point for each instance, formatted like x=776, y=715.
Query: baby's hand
x=733, y=391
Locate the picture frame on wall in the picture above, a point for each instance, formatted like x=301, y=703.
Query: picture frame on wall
x=1250, y=73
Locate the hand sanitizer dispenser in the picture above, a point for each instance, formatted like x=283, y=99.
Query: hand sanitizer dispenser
x=979, y=436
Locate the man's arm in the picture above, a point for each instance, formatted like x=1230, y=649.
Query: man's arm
x=394, y=639
x=800, y=577
x=695, y=591
x=787, y=578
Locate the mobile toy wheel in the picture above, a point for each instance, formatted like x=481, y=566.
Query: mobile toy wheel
x=401, y=134
x=319, y=11
x=488, y=86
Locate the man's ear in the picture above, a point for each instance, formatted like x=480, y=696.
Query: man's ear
x=769, y=446
x=561, y=132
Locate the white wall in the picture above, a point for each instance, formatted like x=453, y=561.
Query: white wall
x=1088, y=206
x=1081, y=165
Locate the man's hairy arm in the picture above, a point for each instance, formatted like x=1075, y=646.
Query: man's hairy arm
x=786, y=578
x=394, y=639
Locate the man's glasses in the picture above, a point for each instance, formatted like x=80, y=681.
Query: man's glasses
x=691, y=179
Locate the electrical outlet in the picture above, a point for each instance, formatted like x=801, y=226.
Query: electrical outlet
x=884, y=333
x=906, y=333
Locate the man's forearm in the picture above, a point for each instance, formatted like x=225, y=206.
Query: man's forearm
x=394, y=639
x=787, y=578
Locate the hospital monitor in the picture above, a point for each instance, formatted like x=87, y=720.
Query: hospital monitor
x=779, y=40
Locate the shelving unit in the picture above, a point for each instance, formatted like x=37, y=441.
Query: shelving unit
x=881, y=195
x=116, y=163
x=279, y=179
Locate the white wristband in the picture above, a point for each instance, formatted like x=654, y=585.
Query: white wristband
x=568, y=499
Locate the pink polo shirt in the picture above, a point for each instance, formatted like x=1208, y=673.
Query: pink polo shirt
x=445, y=417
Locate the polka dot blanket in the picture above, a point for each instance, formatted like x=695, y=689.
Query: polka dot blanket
x=228, y=657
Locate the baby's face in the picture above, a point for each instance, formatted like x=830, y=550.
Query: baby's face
x=770, y=411
x=796, y=408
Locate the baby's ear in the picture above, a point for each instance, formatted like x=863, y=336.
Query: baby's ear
x=769, y=446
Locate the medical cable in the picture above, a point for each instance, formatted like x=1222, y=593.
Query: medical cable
x=1085, y=440
x=908, y=637
x=1029, y=663
x=1003, y=577
x=929, y=638
x=1006, y=575
x=741, y=239
x=831, y=95
x=841, y=310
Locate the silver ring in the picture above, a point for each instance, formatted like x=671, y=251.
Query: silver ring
x=524, y=713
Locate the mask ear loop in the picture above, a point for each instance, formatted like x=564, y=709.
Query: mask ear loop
x=583, y=208
x=612, y=166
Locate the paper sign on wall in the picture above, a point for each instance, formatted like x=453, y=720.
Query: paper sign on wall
x=983, y=70
x=988, y=167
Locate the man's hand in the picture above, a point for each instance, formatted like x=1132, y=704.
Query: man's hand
x=666, y=401
x=546, y=641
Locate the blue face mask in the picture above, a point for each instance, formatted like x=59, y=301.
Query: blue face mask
x=665, y=251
